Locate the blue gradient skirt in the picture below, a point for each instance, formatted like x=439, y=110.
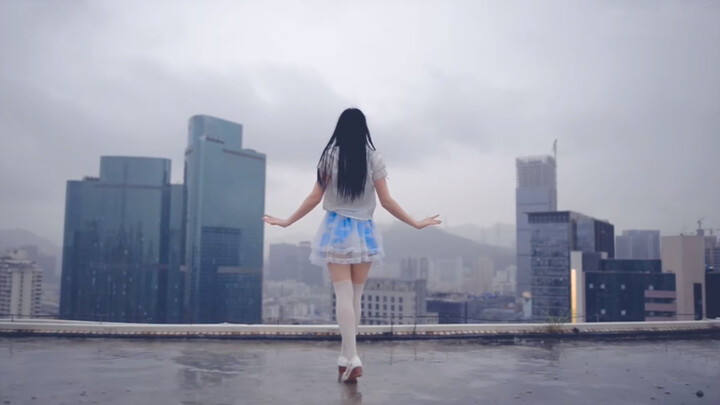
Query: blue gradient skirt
x=346, y=240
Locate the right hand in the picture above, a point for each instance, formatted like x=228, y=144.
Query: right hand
x=275, y=221
x=428, y=222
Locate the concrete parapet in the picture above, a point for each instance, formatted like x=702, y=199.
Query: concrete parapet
x=626, y=330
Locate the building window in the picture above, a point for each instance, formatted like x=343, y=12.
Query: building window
x=651, y=287
x=377, y=306
x=385, y=307
x=602, y=286
x=622, y=287
x=377, y=298
x=392, y=299
x=392, y=307
x=385, y=298
x=591, y=286
x=623, y=312
x=400, y=299
x=400, y=308
x=602, y=312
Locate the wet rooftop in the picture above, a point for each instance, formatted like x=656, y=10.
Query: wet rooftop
x=48, y=370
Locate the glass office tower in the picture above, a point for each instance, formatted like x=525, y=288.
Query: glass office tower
x=553, y=235
x=116, y=245
x=536, y=191
x=225, y=202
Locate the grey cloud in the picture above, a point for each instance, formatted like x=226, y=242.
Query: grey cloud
x=629, y=88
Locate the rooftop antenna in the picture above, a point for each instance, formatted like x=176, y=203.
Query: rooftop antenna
x=555, y=149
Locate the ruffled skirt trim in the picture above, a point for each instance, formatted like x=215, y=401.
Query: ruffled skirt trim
x=346, y=240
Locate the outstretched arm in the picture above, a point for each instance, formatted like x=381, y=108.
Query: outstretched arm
x=394, y=208
x=311, y=201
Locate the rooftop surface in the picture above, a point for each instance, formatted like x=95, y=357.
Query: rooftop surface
x=49, y=370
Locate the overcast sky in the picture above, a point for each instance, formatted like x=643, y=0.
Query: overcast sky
x=454, y=91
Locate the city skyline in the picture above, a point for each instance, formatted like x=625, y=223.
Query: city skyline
x=628, y=89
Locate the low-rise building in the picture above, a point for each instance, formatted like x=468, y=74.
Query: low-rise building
x=612, y=290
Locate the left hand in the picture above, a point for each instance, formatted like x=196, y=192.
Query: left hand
x=275, y=221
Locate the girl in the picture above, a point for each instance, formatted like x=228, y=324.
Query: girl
x=349, y=174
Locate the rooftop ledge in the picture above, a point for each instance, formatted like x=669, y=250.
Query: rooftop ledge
x=505, y=331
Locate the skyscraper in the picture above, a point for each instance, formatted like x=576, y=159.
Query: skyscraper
x=115, y=249
x=554, y=235
x=172, y=282
x=638, y=245
x=536, y=192
x=225, y=202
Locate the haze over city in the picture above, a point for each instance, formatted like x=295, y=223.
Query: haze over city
x=453, y=91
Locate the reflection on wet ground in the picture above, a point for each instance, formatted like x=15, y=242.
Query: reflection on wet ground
x=114, y=371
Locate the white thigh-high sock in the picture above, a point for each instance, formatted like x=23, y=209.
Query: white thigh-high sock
x=357, y=301
x=345, y=315
x=357, y=308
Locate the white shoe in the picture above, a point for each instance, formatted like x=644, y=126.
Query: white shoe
x=342, y=364
x=353, y=370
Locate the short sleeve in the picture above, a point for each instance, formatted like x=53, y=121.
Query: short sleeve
x=377, y=166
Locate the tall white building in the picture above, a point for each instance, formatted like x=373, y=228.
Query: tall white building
x=684, y=255
x=20, y=285
x=536, y=192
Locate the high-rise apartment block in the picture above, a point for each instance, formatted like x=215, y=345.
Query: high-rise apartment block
x=536, y=192
x=638, y=245
x=20, y=285
x=225, y=202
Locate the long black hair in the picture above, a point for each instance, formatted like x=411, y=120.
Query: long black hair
x=352, y=137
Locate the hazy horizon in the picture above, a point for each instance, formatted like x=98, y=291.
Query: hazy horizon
x=453, y=91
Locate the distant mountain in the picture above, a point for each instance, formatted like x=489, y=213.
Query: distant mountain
x=498, y=235
x=14, y=238
x=402, y=241
x=11, y=238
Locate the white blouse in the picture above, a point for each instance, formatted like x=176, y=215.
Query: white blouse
x=362, y=207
